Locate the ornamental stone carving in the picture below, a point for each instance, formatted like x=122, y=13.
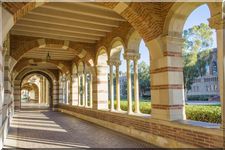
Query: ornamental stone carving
x=114, y=63
x=131, y=56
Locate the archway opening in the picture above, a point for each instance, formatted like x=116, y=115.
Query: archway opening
x=35, y=92
x=144, y=78
x=200, y=68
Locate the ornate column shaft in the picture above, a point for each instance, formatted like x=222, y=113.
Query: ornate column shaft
x=136, y=84
x=83, y=89
x=86, y=90
x=79, y=94
x=74, y=89
x=129, y=90
x=117, y=88
x=111, y=87
x=90, y=90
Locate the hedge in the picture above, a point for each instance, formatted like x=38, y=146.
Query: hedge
x=203, y=113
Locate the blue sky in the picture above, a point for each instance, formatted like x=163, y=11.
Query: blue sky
x=198, y=16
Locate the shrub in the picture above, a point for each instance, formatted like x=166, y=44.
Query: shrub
x=203, y=113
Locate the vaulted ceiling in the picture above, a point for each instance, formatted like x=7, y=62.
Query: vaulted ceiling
x=80, y=22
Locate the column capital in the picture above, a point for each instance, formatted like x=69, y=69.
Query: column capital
x=131, y=56
x=218, y=21
x=114, y=63
x=74, y=75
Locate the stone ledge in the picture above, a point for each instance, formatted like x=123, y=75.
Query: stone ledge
x=178, y=131
x=150, y=138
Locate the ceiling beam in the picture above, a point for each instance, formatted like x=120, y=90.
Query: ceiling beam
x=76, y=8
x=57, y=21
x=70, y=16
x=46, y=35
x=55, y=32
x=59, y=28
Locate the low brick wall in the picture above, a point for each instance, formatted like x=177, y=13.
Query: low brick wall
x=157, y=132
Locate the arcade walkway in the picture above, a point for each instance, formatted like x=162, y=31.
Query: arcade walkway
x=47, y=129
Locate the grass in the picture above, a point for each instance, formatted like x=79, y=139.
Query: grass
x=205, y=113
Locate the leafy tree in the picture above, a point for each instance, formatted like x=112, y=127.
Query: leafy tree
x=144, y=77
x=198, y=41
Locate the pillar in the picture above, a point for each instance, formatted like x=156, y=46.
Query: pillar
x=55, y=94
x=217, y=22
x=111, y=87
x=44, y=90
x=117, y=87
x=61, y=90
x=83, y=89
x=75, y=89
x=17, y=95
x=129, y=90
x=167, y=89
x=136, y=84
x=100, y=88
x=47, y=92
x=90, y=90
x=79, y=94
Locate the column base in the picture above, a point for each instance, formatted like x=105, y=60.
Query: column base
x=130, y=112
x=137, y=112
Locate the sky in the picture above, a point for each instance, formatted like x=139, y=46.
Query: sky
x=198, y=16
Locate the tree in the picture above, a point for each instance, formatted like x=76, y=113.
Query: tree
x=198, y=41
x=144, y=77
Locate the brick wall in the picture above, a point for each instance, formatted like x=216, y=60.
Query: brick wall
x=192, y=137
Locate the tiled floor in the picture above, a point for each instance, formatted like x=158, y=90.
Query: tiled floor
x=47, y=129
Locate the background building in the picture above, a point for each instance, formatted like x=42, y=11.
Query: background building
x=206, y=87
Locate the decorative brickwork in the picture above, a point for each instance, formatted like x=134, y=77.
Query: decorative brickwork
x=199, y=139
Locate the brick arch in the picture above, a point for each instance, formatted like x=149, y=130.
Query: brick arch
x=17, y=81
x=34, y=87
x=133, y=42
x=101, y=55
x=32, y=43
x=178, y=15
x=115, y=48
x=74, y=68
x=25, y=63
x=81, y=66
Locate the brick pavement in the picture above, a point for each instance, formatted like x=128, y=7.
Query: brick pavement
x=47, y=129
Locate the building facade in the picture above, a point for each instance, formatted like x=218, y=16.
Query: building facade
x=207, y=86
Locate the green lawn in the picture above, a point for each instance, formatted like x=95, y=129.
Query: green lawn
x=204, y=113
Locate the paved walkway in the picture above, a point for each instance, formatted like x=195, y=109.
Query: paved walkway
x=47, y=129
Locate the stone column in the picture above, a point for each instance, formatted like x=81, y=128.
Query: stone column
x=47, y=92
x=100, y=88
x=85, y=90
x=60, y=90
x=17, y=95
x=79, y=97
x=83, y=87
x=136, y=84
x=44, y=91
x=129, y=90
x=111, y=87
x=90, y=90
x=117, y=87
x=55, y=94
x=75, y=89
x=218, y=22
x=167, y=89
